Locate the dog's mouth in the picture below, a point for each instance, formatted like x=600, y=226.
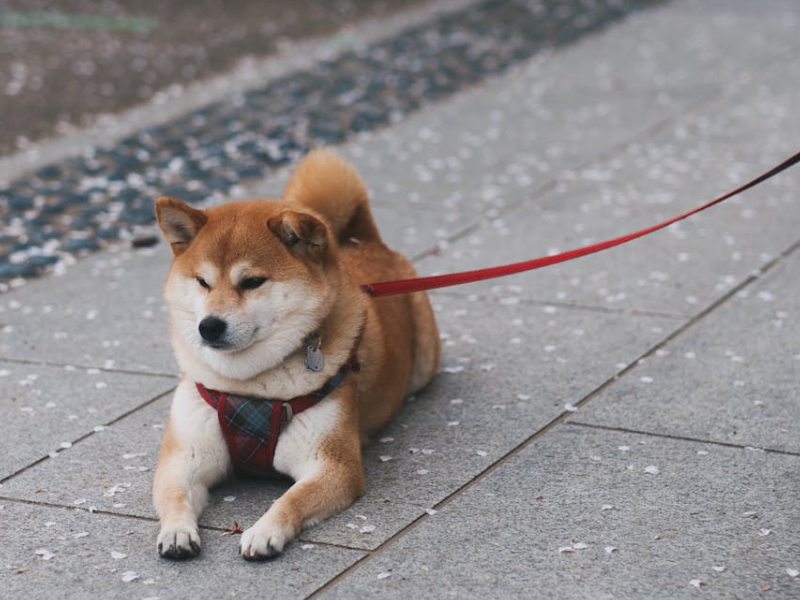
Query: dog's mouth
x=221, y=346
x=226, y=345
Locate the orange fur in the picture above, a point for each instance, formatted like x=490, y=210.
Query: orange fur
x=314, y=248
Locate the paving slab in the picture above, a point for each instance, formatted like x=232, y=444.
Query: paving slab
x=48, y=408
x=682, y=269
x=503, y=379
x=576, y=515
x=66, y=553
x=730, y=378
x=107, y=307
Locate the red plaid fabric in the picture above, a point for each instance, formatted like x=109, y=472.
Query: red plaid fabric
x=251, y=426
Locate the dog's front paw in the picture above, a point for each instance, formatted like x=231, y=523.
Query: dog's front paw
x=178, y=541
x=264, y=540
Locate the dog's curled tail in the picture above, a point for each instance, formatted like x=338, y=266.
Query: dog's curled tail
x=327, y=184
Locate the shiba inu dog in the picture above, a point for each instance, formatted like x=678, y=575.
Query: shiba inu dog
x=286, y=363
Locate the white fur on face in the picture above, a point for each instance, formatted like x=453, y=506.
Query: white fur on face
x=263, y=325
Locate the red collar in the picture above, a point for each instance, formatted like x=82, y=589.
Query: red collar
x=251, y=426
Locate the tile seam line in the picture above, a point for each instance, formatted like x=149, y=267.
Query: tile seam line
x=561, y=419
x=91, y=433
x=680, y=438
x=268, y=68
x=710, y=308
x=57, y=364
x=627, y=312
x=155, y=520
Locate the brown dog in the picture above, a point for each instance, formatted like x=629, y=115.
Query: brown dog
x=264, y=303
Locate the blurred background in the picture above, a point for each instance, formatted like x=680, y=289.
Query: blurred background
x=62, y=63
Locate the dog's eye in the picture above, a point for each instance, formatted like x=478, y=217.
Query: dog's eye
x=252, y=283
x=203, y=283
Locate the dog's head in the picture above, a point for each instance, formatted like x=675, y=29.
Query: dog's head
x=249, y=281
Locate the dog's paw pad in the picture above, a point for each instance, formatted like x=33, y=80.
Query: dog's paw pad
x=178, y=542
x=262, y=542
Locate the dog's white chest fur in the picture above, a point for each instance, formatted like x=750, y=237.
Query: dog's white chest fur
x=298, y=444
x=197, y=425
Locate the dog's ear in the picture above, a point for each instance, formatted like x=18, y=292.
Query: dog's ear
x=179, y=222
x=303, y=234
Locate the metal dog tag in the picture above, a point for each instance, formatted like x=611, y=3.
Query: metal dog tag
x=315, y=360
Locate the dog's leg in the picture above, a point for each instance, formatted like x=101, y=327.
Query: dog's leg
x=321, y=450
x=193, y=457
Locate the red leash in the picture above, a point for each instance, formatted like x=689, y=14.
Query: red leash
x=405, y=286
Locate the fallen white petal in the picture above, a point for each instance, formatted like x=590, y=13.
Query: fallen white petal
x=430, y=511
x=792, y=573
x=229, y=498
x=129, y=576
x=570, y=407
x=719, y=569
x=44, y=554
x=610, y=549
x=652, y=470
x=384, y=575
x=697, y=583
x=368, y=529
x=118, y=555
x=130, y=455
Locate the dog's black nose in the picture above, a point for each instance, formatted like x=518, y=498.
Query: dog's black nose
x=212, y=328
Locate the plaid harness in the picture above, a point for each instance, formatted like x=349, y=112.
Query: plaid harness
x=251, y=426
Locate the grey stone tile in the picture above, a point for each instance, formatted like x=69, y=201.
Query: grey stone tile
x=83, y=555
x=105, y=308
x=679, y=270
x=732, y=377
x=109, y=470
x=123, y=458
x=504, y=378
x=708, y=506
x=49, y=406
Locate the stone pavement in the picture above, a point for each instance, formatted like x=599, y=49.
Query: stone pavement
x=623, y=426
